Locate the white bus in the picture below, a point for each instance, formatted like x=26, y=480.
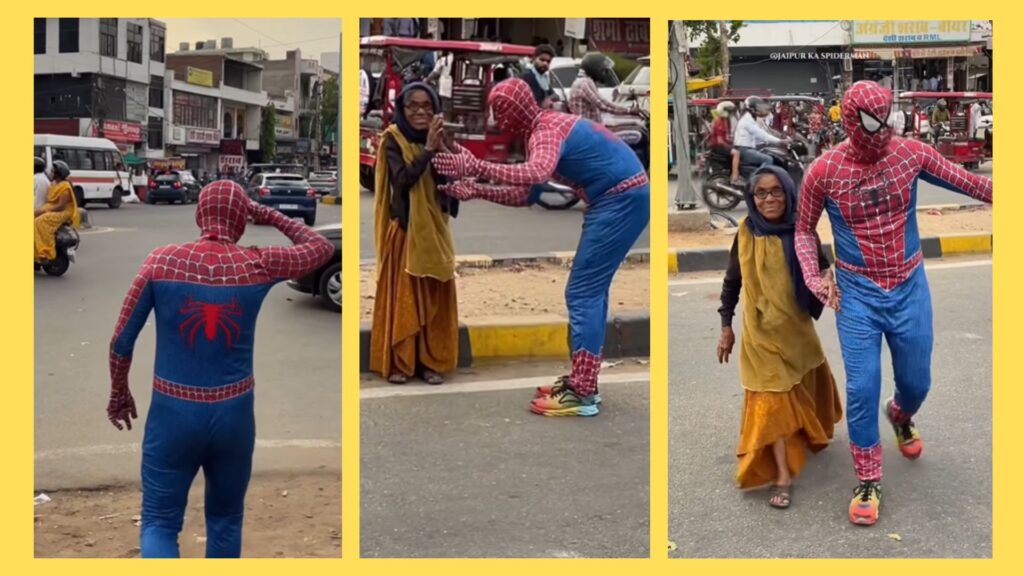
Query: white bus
x=98, y=171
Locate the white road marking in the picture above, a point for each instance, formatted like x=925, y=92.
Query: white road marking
x=135, y=447
x=929, y=267
x=391, y=390
x=98, y=230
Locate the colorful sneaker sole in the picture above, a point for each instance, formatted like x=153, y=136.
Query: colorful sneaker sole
x=586, y=411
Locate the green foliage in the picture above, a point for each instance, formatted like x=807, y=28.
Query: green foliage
x=709, y=54
x=268, y=133
x=329, y=109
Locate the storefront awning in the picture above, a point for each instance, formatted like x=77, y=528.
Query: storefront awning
x=133, y=160
x=887, y=53
x=698, y=84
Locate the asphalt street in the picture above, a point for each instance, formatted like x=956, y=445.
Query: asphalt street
x=297, y=366
x=927, y=194
x=464, y=470
x=486, y=228
x=938, y=506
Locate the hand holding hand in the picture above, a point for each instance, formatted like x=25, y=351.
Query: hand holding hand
x=460, y=190
x=830, y=290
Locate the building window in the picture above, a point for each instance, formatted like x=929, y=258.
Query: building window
x=135, y=43
x=195, y=110
x=68, y=35
x=156, y=92
x=157, y=36
x=108, y=37
x=155, y=135
x=40, y=24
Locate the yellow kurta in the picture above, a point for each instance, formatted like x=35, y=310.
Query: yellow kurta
x=46, y=224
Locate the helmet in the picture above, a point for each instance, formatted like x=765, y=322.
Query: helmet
x=596, y=65
x=758, y=106
x=61, y=170
x=40, y=165
x=941, y=103
x=725, y=108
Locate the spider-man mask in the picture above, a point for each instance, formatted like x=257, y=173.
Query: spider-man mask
x=866, y=107
x=513, y=105
x=222, y=211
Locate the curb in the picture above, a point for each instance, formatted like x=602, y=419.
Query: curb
x=627, y=335
x=563, y=259
x=329, y=199
x=717, y=259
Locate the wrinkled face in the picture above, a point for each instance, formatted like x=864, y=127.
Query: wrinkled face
x=419, y=110
x=866, y=107
x=513, y=106
x=542, y=62
x=770, y=197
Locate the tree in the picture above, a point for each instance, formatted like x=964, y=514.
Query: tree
x=329, y=109
x=714, y=37
x=268, y=133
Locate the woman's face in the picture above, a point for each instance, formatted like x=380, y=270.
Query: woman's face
x=770, y=197
x=419, y=110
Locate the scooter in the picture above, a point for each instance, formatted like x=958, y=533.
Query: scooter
x=67, y=241
x=720, y=193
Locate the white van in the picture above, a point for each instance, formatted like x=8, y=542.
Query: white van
x=98, y=171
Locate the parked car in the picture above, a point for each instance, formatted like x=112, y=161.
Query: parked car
x=171, y=187
x=566, y=70
x=325, y=281
x=637, y=85
x=289, y=194
x=324, y=181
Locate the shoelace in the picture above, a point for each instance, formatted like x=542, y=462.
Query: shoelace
x=864, y=491
x=906, y=430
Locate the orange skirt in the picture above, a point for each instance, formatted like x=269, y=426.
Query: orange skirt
x=805, y=416
x=415, y=320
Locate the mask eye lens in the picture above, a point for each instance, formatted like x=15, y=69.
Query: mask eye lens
x=870, y=123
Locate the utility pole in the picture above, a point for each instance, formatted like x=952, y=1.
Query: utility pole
x=723, y=52
x=686, y=195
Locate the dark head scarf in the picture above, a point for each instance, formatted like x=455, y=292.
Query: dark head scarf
x=410, y=133
x=784, y=229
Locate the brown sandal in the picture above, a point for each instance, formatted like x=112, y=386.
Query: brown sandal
x=432, y=378
x=398, y=378
x=780, y=496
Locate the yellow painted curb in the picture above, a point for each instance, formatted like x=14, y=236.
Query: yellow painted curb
x=327, y=199
x=673, y=262
x=529, y=340
x=965, y=243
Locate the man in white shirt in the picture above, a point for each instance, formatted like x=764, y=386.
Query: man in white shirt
x=750, y=134
x=40, y=182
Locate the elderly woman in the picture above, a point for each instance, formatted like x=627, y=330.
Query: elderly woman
x=791, y=403
x=415, y=317
x=59, y=209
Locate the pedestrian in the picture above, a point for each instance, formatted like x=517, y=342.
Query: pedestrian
x=207, y=295
x=604, y=172
x=415, y=313
x=538, y=77
x=869, y=183
x=791, y=404
x=40, y=182
x=59, y=208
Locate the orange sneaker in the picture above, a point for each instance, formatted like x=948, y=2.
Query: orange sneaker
x=867, y=499
x=907, y=437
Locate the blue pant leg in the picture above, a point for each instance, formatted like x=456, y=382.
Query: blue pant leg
x=172, y=450
x=227, y=469
x=910, y=340
x=610, y=228
x=860, y=338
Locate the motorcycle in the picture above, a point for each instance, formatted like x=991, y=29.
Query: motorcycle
x=67, y=241
x=720, y=193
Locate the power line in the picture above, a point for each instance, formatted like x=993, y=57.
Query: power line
x=268, y=36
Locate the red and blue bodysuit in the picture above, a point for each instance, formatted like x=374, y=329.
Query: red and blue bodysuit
x=868, y=184
x=206, y=296
x=608, y=176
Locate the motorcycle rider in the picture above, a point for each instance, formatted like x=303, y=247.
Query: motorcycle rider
x=939, y=116
x=586, y=101
x=751, y=134
x=40, y=182
x=720, y=138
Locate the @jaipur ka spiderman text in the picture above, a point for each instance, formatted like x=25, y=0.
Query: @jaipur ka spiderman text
x=810, y=55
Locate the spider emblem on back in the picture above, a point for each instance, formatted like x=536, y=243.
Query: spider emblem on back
x=212, y=318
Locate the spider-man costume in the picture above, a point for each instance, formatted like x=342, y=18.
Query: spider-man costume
x=206, y=295
x=602, y=170
x=868, y=185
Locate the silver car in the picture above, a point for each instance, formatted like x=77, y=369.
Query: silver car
x=324, y=181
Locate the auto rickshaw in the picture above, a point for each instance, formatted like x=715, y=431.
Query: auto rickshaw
x=962, y=140
x=475, y=68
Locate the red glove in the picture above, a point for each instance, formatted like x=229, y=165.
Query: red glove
x=457, y=166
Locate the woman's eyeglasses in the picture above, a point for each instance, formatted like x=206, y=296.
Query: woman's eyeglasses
x=414, y=108
x=776, y=192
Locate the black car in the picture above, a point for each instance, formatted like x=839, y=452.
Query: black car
x=289, y=194
x=174, y=187
x=325, y=281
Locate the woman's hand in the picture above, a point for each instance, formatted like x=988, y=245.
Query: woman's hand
x=832, y=295
x=725, y=343
x=435, y=134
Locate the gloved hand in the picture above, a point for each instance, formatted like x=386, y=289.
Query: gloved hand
x=456, y=166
